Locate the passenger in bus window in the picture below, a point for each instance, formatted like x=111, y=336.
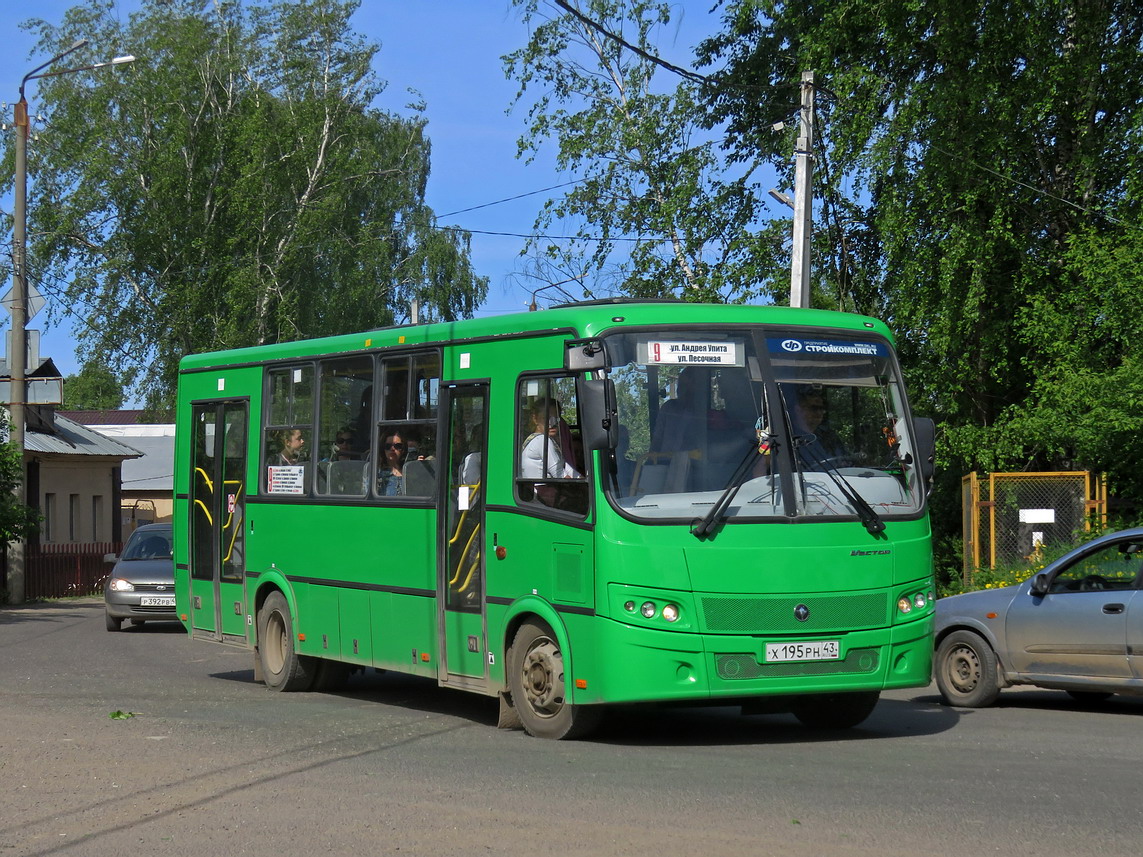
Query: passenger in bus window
x=541, y=456
x=471, y=461
x=817, y=445
x=682, y=420
x=289, y=443
x=344, y=445
x=390, y=471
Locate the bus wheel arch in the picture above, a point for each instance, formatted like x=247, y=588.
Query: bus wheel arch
x=281, y=667
x=538, y=685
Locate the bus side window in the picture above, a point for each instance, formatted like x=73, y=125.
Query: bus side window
x=346, y=393
x=406, y=436
x=288, y=438
x=550, y=466
x=395, y=386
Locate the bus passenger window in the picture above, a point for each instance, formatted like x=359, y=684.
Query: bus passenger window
x=427, y=375
x=287, y=448
x=395, y=378
x=344, y=414
x=550, y=466
x=407, y=461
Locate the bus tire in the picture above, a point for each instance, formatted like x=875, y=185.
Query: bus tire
x=536, y=682
x=965, y=668
x=835, y=710
x=283, y=668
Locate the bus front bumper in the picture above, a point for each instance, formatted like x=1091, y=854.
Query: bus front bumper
x=644, y=665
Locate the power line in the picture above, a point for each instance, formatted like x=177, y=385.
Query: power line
x=512, y=198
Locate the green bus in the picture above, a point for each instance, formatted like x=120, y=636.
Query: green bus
x=605, y=502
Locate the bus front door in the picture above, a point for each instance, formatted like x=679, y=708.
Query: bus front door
x=463, y=629
x=218, y=515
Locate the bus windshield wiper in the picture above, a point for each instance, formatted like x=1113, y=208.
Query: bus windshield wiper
x=705, y=527
x=868, y=515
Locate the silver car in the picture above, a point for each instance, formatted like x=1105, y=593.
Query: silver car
x=1075, y=626
x=141, y=586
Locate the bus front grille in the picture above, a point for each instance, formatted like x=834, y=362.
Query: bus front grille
x=732, y=667
x=775, y=614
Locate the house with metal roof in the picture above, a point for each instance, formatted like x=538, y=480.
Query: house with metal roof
x=74, y=478
x=149, y=480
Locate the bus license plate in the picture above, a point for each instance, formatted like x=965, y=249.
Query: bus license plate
x=157, y=601
x=819, y=650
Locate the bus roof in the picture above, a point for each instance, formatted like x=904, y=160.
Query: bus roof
x=589, y=318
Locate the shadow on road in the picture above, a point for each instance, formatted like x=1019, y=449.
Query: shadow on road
x=649, y=725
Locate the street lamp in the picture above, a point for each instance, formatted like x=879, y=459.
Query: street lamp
x=17, y=359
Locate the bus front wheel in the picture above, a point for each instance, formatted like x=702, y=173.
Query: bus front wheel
x=536, y=682
x=282, y=667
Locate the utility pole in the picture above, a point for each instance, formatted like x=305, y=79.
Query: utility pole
x=803, y=197
x=18, y=358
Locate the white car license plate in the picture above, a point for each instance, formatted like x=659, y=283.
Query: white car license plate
x=157, y=601
x=819, y=650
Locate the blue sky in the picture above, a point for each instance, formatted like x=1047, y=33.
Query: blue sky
x=447, y=50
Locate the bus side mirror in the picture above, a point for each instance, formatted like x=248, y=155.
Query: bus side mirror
x=599, y=422
x=926, y=447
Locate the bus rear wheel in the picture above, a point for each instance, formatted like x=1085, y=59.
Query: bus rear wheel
x=539, y=694
x=836, y=710
x=282, y=667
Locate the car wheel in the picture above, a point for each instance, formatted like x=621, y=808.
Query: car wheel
x=113, y=624
x=536, y=682
x=282, y=667
x=966, y=669
x=835, y=710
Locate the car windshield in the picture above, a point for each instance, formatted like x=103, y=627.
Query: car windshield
x=148, y=544
x=808, y=426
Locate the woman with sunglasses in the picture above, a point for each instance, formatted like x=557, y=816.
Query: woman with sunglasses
x=390, y=470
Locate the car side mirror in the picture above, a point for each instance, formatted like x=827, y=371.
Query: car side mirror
x=1040, y=584
x=110, y=557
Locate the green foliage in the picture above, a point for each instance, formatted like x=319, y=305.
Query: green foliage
x=647, y=169
x=94, y=388
x=16, y=521
x=980, y=167
x=233, y=186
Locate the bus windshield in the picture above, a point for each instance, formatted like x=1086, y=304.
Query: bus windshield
x=803, y=425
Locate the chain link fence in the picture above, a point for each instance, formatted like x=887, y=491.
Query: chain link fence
x=1009, y=517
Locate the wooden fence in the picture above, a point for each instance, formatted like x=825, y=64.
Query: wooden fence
x=58, y=571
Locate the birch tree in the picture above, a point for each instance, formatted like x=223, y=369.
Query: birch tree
x=233, y=186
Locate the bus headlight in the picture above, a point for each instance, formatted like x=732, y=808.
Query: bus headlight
x=648, y=610
x=914, y=601
x=671, y=613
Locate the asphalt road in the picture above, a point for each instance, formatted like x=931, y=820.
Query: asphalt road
x=210, y=763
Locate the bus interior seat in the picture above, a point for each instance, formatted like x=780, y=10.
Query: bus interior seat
x=347, y=477
x=663, y=472
x=420, y=477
